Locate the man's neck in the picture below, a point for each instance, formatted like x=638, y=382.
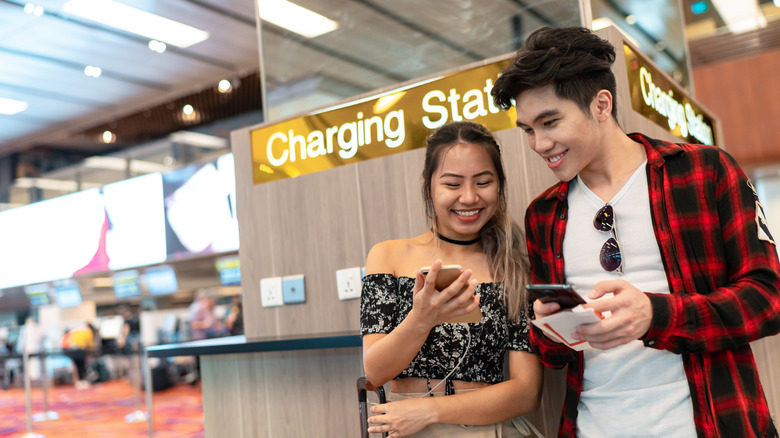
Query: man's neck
x=620, y=159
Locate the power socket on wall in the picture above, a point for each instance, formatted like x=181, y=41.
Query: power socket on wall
x=271, y=294
x=349, y=282
x=293, y=291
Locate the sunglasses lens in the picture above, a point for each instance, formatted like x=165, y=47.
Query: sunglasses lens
x=610, y=256
x=604, y=218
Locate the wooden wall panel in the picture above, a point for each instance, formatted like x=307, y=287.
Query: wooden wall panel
x=384, y=199
x=316, y=231
x=221, y=387
x=413, y=165
x=745, y=94
x=307, y=393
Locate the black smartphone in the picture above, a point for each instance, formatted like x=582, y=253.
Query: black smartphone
x=563, y=294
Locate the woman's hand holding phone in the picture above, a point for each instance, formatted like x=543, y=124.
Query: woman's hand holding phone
x=444, y=305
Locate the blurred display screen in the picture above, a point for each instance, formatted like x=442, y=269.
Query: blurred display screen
x=67, y=293
x=39, y=294
x=127, y=284
x=200, y=209
x=161, y=280
x=137, y=222
x=229, y=269
x=136, y=235
x=53, y=239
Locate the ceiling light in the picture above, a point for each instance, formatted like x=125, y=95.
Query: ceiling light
x=32, y=9
x=108, y=137
x=739, y=15
x=157, y=46
x=224, y=86
x=136, y=21
x=630, y=19
x=295, y=18
x=701, y=7
x=10, y=107
x=187, y=109
x=93, y=71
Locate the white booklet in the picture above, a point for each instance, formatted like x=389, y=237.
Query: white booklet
x=560, y=325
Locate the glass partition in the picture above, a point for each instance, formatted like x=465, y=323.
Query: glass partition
x=379, y=43
x=657, y=28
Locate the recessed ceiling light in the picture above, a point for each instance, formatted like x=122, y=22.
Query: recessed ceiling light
x=224, y=86
x=134, y=20
x=295, y=18
x=108, y=137
x=187, y=109
x=157, y=46
x=10, y=107
x=33, y=9
x=93, y=71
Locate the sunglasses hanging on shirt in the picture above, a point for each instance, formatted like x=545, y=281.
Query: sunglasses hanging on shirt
x=610, y=257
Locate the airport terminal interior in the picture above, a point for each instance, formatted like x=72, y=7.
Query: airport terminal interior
x=124, y=215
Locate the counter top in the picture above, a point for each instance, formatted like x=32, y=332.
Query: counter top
x=240, y=344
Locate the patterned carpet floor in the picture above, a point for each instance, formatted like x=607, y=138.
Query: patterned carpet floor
x=99, y=412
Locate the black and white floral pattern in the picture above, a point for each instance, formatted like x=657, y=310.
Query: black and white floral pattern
x=386, y=300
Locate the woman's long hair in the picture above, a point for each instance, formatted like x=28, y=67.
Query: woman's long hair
x=502, y=240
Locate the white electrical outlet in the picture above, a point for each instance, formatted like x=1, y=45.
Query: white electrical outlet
x=349, y=283
x=271, y=294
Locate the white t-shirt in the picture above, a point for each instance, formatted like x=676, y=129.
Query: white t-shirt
x=629, y=390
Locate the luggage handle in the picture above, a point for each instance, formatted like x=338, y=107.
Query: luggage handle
x=363, y=386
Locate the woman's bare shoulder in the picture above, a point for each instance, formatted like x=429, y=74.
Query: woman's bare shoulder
x=393, y=256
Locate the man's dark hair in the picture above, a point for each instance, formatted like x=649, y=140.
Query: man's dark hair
x=574, y=60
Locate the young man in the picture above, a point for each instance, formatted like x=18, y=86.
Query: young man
x=689, y=277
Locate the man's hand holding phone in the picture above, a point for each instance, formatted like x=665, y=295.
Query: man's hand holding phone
x=446, y=294
x=551, y=298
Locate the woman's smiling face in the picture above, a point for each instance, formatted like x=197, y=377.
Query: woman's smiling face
x=464, y=191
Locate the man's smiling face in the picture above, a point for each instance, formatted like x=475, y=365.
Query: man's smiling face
x=559, y=131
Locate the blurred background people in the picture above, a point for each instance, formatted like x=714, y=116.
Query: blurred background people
x=235, y=319
x=204, y=322
x=131, y=331
x=78, y=344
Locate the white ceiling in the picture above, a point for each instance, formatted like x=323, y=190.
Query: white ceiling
x=42, y=61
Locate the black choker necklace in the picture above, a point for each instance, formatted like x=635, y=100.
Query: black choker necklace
x=458, y=242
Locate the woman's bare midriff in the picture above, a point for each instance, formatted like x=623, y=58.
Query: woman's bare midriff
x=412, y=385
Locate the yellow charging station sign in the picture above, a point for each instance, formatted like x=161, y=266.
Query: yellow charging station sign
x=664, y=103
x=388, y=123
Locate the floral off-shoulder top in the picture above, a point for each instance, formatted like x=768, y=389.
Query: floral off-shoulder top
x=386, y=300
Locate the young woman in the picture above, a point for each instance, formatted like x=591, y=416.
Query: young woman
x=447, y=379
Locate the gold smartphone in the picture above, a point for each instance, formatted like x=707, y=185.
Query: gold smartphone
x=447, y=275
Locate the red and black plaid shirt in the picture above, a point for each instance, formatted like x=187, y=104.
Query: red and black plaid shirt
x=723, y=277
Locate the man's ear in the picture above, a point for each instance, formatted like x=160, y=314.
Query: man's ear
x=602, y=105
